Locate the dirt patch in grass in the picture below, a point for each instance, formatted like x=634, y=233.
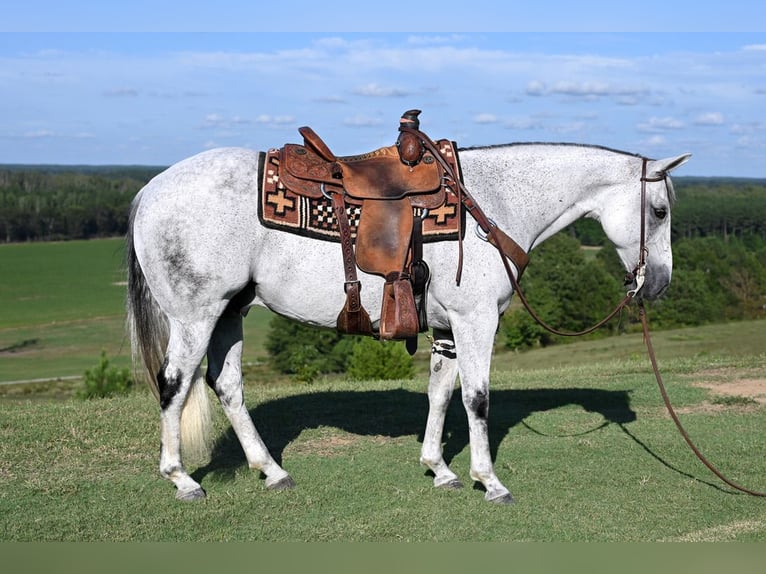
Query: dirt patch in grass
x=753, y=389
x=730, y=388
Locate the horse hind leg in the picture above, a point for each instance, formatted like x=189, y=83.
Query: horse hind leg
x=224, y=376
x=179, y=373
x=440, y=387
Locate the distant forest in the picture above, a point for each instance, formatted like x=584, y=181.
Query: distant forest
x=47, y=203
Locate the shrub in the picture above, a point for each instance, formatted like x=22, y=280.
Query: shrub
x=306, y=351
x=386, y=360
x=105, y=381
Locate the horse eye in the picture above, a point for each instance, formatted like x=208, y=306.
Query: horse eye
x=660, y=212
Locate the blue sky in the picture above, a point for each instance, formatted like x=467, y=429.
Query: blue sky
x=111, y=92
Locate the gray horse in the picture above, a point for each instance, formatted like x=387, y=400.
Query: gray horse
x=199, y=258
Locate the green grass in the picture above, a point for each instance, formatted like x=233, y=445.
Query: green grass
x=587, y=451
x=578, y=432
x=44, y=283
x=63, y=303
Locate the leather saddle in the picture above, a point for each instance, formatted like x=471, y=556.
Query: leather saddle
x=388, y=183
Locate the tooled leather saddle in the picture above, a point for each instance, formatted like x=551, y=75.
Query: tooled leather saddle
x=394, y=186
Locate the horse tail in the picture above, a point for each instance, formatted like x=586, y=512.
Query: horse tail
x=148, y=329
x=146, y=322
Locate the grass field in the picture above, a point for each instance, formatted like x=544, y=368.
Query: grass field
x=63, y=303
x=578, y=432
x=588, y=452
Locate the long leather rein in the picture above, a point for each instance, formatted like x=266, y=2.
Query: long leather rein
x=510, y=250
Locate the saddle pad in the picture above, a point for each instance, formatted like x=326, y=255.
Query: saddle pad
x=280, y=208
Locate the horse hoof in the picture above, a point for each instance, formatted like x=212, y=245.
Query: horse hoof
x=453, y=484
x=191, y=495
x=502, y=499
x=285, y=483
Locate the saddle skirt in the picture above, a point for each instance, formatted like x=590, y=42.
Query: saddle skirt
x=296, y=205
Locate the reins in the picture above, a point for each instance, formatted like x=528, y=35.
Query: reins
x=672, y=412
x=510, y=250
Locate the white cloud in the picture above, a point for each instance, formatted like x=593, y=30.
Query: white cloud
x=588, y=90
x=377, y=91
x=276, y=121
x=536, y=88
x=214, y=121
x=709, y=119
x=656, y=124
x=755, y=48
x=655, y=141
x=485, y=118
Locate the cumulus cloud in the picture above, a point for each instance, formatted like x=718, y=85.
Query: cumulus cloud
x=709, y=119
x=535, y=88
x=656, y=124
x=221, y=122
x=588, y=90
x=274, y=120
x=655, y=141
x=485, y=118
x=374, y=90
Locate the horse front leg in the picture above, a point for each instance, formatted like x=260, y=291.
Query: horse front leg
x=474, y=341
x=224, y=376
x=440, y=386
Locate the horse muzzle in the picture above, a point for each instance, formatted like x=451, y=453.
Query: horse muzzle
x=646, y=283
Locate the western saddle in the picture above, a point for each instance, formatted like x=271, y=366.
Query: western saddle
x=389, y=183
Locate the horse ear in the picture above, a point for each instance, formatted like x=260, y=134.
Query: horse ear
x=659, y=167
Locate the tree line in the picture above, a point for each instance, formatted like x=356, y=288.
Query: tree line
x=45, y=203
x=56, y=203
x=705, y=207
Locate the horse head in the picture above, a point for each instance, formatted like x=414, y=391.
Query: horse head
x=621, y=216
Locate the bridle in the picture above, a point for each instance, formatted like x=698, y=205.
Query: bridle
x=511, y=252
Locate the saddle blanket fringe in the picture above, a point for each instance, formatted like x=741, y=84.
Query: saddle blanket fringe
x=280, y=208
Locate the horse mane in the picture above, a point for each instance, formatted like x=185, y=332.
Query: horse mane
x=552, y=144
x=668, y=181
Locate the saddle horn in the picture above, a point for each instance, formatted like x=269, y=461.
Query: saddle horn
x=410, y=146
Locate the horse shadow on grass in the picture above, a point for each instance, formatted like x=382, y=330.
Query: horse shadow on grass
x=400, y=412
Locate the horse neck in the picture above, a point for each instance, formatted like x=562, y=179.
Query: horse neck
x=535, y=190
